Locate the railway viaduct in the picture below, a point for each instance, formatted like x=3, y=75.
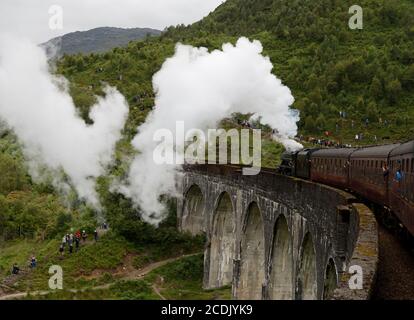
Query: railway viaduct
x=276, y=237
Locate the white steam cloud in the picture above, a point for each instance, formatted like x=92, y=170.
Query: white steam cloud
x=201, y=88
x=39, y=109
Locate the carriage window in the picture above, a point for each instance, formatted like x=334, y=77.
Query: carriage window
x=412, y=165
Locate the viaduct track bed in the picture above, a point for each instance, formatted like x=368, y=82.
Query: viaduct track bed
x=395, y=277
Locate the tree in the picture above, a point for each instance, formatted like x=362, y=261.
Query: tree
x=313, y=81
x=321, y=123
x=408, y=77
x=376, y=89
x=360, y=104
x=12, y=175
x=316, y=97
x=372, y=112
x=394, y=90
x=310, y=124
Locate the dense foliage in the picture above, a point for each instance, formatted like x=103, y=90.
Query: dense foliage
x=367, y=73
x=330, y=68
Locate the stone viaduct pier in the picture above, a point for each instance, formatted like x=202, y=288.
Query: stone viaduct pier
x=275, y=237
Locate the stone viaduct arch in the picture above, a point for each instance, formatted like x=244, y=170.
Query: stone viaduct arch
x=269, y=236
x=194, y=211
x=281, y=274
x=306, y=285
x=331, y=279
x=252, y=256
x=222, y=243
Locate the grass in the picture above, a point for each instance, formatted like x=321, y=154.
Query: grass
x=182, y=280
x=104, y=256
x=178, y=280
x=94, y=265
x=20, y=251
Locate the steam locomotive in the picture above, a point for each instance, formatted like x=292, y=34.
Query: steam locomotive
x=362, y=171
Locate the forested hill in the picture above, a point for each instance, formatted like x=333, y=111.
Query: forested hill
x=367, y=73
x=310, y=20
x=330, y=68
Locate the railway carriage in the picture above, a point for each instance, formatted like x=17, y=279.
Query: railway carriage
x=366, y=175
x=401, y=194
x=361, y=171
x=330, y=166
x=303, y=163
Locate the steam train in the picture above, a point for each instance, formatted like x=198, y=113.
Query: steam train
x=361, y=171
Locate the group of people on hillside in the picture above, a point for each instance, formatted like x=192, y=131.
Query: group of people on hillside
x=73, y=240
x=328, y=143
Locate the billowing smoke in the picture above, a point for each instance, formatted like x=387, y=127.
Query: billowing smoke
x=57, y=143
x=201, y=88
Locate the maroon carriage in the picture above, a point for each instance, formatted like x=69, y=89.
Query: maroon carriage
x=401, y=187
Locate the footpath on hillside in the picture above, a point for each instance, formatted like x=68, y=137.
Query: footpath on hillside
x=126, y=272
x=138, y=274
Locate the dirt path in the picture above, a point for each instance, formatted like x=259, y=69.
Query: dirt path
x=157, y=291
x=395, y=280
x=135, y=275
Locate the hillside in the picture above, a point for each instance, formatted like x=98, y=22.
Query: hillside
x=368, y=74
x=97, y=40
